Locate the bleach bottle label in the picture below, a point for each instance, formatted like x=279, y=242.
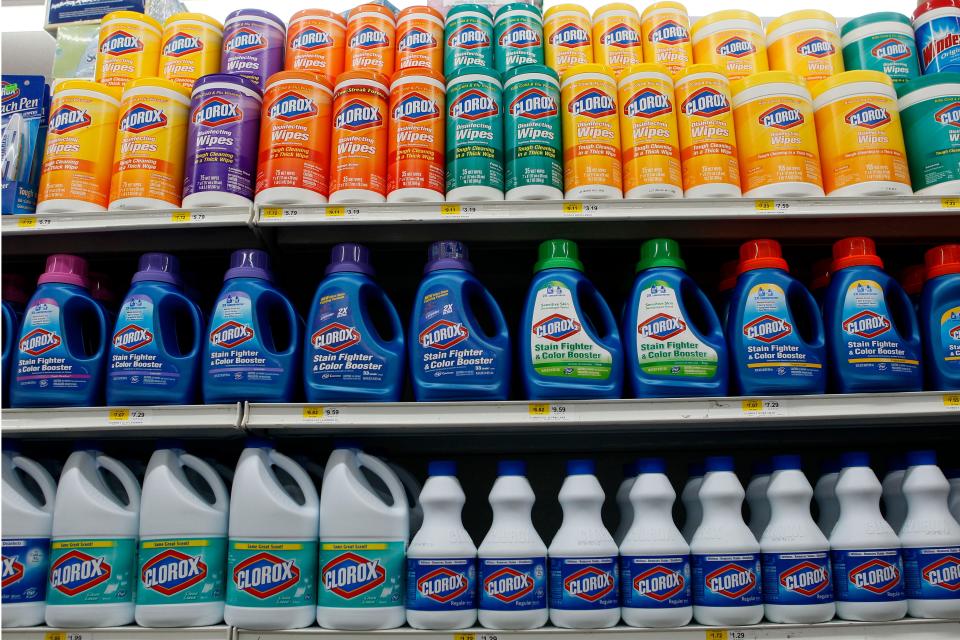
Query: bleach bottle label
x=578, y=584
x=513, y=584
x=560, y=347
x=872, y=575
x=181, y=571
x=92, y=571
x=949, y=338
x=655, y=582
x=447, y=584
x=665, y=344
x=774, y=348
x=447, y=348
x=357, y=575
x=135, y=358
x=727, y=580
x=25, y=569
x=272, y=574
x=797, y=578
x=43, y=361
x=873, y=346
x=932, y=573
x=340, y=355
x=235, y=350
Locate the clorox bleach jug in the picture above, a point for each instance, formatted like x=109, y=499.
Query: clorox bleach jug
x=624, y=506
x=272, y=550
x=363, y=542
x=690, y=497
x=797, y=585
x=513, y=557
x=94, y=544
x=584, y=570
x=726, y=555
x=27, y=522
x=411, y=489
x=954, y=475
x=183, y=542
x=931, y=541
x=442, y=559
x=894, y=504
x=757, y=498
x=654, y=557
x=828, y=507
x=867, y=569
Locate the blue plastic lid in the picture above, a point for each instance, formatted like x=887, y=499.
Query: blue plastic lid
x=695, y=469
x=257, y=442
x=249, y=263
x=158, y=267
x=897, y=463
x=349, y=257
x=854, y=459
x=448, y=254
x=512, y=468
x=718, y=463
x=830, y=465
x=442, y=468
x=787, y=462
x=581, y=467
x=762, y=467
x=918, y=458
x=652, y=465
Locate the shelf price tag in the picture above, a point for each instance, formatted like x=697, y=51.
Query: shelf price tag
x=579, y=208
x=67, y=635
x=716, y=634
x=763, y=408
x=341, y=212
x=320, y=414
x=179, y=217
x=548, y=411
x=464, y=636
x=27, y=222
x=770, y=206
x=126, y=416
x=451, y=209
x=950, y=203
x=951, y=400
x=272, y=213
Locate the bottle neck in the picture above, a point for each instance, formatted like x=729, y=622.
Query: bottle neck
x=791, y=502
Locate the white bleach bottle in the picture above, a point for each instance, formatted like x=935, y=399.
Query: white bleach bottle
x=954, y=475
x=363, y=544
x=442, y=559
x=867, y=569
x=183, y=542
x=624, y=506
x=412, y=489
x=757, y=498
x=825, y=493
x=690, y=497
x=930, y=537
x=654, y=556
x=27, y=522
x=512, y=556
x=94, y=543
x=894, y=504
x=797, y=585
x=584, y=568
x=725, y=553
x=272, y=546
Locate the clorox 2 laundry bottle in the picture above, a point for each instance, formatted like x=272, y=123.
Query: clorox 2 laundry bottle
x=940, y=317
x=459, y=341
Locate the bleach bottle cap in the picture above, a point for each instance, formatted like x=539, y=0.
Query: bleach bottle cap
x=660, y=252
x=718, y=463
x=349, y=257
x=581, y=467
x=448, y=254
x=651, y=465
x=787, y=462
x=63, y=268
x=918, y=458
x=942, y=260
x=854, y=459
x=158, y=267
x=249, y=263
x=761, y=254
x=511, y=468
x=855, y=252
x=558, y=254
x=442, y=468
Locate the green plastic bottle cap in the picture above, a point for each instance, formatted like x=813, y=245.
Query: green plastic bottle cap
x=660, y=252
x=558, y=254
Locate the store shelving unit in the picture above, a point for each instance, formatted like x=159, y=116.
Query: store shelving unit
x=124, y=422
x=220, y=632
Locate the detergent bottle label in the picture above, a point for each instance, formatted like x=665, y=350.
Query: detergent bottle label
x=43, y=361
x=136, y=358
x=797, y=578
x=578, y=584
x=774, y=348
x=871, y=575
x=560, y=347
x=666, y=346
x=92, y=571
x=726, y=580
x=340, y=355
x=932, y=573
x=513, y=584
x=25, y=569
x=235, y=349
x=448, y=351
x=950, y=338
x=272, y=574
x=181, y=570
x=447, y=584
x=873, y=345
x=357, y=575
x=655, y=582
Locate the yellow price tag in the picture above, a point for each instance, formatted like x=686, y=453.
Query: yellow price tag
x=450, y=209
x=539, y=409
x=464, y=636
x=27, y=222
x=765, y=206
x=716, y=634
x=180, y=216
x=952, y=400
x=312, y=413
x=119, y=415
x=272, y=213
x=573, y=207
x=752, y=404
x=335, y=212
x=950, y=203
x=55, y=635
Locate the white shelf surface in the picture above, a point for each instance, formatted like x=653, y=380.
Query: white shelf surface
x=125, y=422
x=220, y=632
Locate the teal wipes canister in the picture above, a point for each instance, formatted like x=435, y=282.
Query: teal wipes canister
x=532, y=143
x=468, y=32
x=518, y=35
x=474, y=135
x=881, y=42
x=930, y=115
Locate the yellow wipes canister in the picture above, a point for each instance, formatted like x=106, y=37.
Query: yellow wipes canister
x=128, y=48
x=78, y=155
x=616, y=37
x=860, y=137
x=708, y=143
x=806, y=43
x=776, y=136
x=567, y=37
x=191, y=48
x=648, y=133
x=665, y=29
x=151, y=142
x=591, y=134
x=733, y=40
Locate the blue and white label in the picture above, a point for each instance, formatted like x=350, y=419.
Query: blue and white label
x=773, y=346
x=447, y=350
x=655, y=582
x=726, y=580
x=135, y=355
x=441, y=584
x=338, y=353
x=513, y=584
x=236, y=353
x=25, y=562
x=872, y=344
x=867, y=575
x=588, y=583
x=932, y=573
x=43, y=360
x=797, y=578
x=938, y=42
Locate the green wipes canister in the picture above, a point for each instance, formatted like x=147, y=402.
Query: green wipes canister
x=468, y=31
x=930, y=115
x=518, y=34
x=881, y=42
x=532, y=144
x=474, y=135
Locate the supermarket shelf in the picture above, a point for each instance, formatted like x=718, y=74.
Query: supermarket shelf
x=218, y=420
x=221, y=632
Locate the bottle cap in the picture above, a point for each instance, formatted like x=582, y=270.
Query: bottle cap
x=942, y=260
x=448, y=254
x=64, y=268
x=86, y=445
x=786, y=463
x=349, y=257
x=249, y=263
x=442, y=468
x=651, y=465
x=512, y=468
x=158, y=267
x=718, y=463
x=912, y=279
x=581, y=467
x=100, y=289
x=14, y=289
x=953, y=473
x=854, y=459
x=761, y=254
x=820, y=276
x=347, y=444
x=918, y=458
x=728, y=275
x=660, y=252
x=858, y=251
x=558, y=254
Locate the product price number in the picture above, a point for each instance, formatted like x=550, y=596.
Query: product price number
x=951, y=400
x=477, y=636
x=321, y=414
x=768, y=206
x=67, y=635
x=950, y=203
x=575, y=208
x=342, y=212
x=760, y=407
x=548, y=411
x=33, y=222
x=454, y=209
x=276, y=213
x=127, y=416
x=187, y=216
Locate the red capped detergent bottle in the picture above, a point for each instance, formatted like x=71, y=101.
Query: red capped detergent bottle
x=940, y=317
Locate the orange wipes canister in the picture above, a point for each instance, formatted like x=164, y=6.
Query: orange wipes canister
x=806, y=43
x=648, y=133
x=415, y=160
x=293, y=166
x=420, y=38
x=191, y=48
x=128, y=48
x=358, y=166
x=151, y=143
x=371, y=38
x=78, y=155
x=733, y=40
x=591, y=134
x=708, y=143
x=567, y=37
x=616, y=37
x=316, y=40
x=665, y=30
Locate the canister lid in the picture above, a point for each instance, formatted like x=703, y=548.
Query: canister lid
x=872, y=18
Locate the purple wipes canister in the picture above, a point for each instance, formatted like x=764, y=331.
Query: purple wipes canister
x=222, y=139
x=253, y=45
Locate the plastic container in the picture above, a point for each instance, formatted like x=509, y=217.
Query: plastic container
x=533, y=150
x=912, y=279
x=806, y=43
x=690, y=497
x=358, y=164
x=15, y=299
x=819, y=279
x=128, y=48
x=192, y=44
x=940, y=318
x=415, y=152
x=371, y=39
x=728, y=280
x=828, y=507
x=474, y=145
x=316, y=42
x=756, y=493
x=930, y=115
x=881, y=42
x=894, y=504
x=617, y=42
x=954, y=500
x=468, y=33
x=253, y=45
x=518, y=33
x=937, y=27
x=567, y=37
x=733, y=40
x=665, y=31
x=624, y=506
x=420, y=38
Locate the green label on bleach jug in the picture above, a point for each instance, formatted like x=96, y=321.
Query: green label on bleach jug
x=560, y=347
x=519, y=39
x=356, y=575
x=533, y=146
x=92, y=571
x=469, y=42
x=474, y=135
x=894, y=54
x=665, y=344
x=181, y=570
x=931, y=130
x=272, y=573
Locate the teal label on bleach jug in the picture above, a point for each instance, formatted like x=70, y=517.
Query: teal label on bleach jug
x=534, y=152
x=469, y=39
x=357, y=575
x=474, y=134
x=181, y=570
x=931, y=130
x=894, y=54
x=519, y=38
x=272, y=574
x=92, y=571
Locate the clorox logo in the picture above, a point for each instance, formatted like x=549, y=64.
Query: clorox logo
x=245, y=40
x=868, y=116
x=658, y=584
x=816, y=47
x=349, y=575
x=534, y=104
x=131, y=338
x=416, y=107
x=265, y=575
x=12, y=571
x=944, y=573
x=474, y=105
x=590, y=584
x=172, y=572
x=592, y=103
x=416, y=40
x=767, y=328
x=949, y=115
x=369, y=38
x=39, y=341
x=556, y=327
x=806, y=578
x=955, y=333
x=892, y=50
x=647, y=103
x=311, y=39
x=876, y=576
x=669, y=32
x=508, y=585
x=357, y=115
x=141, y=117
x=731, y=581
x=335, y=337
x=67, y=118
x=866, y=324
x=570, y=36
x=120, y=43
x=216, y=112
x=620, y=36
x=11, y=91
x=736, y=47
x=661, y=327
x=469, y=36
x=706, y=103
x=442, y=335
x=519, y=36
x=231, y=334
x=77, y=572
x=781, y=117
x=443, y=585
x=181, y=44
x=292, y=106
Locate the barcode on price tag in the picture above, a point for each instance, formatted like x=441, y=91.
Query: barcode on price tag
x=127, y=416
x=763, y=407
x=325, y=415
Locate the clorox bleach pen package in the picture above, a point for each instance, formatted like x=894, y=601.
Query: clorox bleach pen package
x=26, y=103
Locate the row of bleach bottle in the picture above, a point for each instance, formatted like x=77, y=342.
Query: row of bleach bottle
x=274, y=554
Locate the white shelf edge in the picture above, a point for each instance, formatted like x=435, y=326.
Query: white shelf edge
x=219, y=632
x=106, y=221
x=137, y=421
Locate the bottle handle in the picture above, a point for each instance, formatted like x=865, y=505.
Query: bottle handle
x=394, y=316
x=126, y=478
x=495, y=311
x=196, y=318
x=48, y=486
x=382, y=470
x=603, y=309
x=299, y=476
x=211, y=477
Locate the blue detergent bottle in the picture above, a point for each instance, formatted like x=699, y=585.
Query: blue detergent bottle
x=459, y=340
x=353, y=350
x=912, y=280
x=14, y=300
x=570, y=348
x=62, y=351
x=252, y=348
x=155, y=352
x=672, y=337
x=940, y=317
x=728, y=280
x=820, y=279
x=774, y=329
x=873, y=338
